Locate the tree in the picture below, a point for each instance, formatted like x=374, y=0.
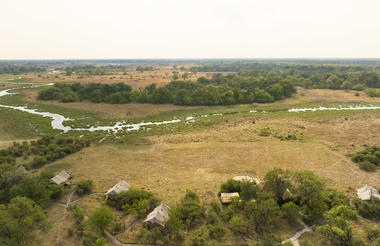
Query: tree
x=277, y=181
x=84, y=187
x=19, y=221
x=263, y=213
x=338, y=231
x=101, y=218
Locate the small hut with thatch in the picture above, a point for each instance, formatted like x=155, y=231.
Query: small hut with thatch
x=117, y=188
x=227, y=197
x=367, y=193
x=158, y=216
x=60, y=178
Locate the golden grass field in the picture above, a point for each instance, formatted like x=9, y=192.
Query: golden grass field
x=161, y=75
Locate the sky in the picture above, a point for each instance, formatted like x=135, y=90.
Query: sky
x=117, y=29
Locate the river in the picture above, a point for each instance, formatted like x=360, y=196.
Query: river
x=58, y=120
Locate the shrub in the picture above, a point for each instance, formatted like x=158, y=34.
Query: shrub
x=39, y=161
x=368, y=209
x=265, y=132
x=367, y=166
x=136, y=201
x=216, y=232
x=373, y=233
x=101, y=218
x=291, y=210
x=84, y=187
x=230, y=186
x=191, y=211
x=89, y=239
x=78, y=214
x=239, y=224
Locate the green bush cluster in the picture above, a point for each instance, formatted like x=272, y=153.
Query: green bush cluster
x=368, y=159
x=136, y=201
x=45, y=150
x=36, y=188
x=372, y=92
x=84, y=187
x=368, y=209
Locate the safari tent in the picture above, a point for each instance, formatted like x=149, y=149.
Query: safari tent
x=247, y=179
x=227, y=197
x=60, y=178
x=367, y=193
x=158, y=216
x=117, y=188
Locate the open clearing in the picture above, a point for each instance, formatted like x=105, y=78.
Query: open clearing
x=202, y=160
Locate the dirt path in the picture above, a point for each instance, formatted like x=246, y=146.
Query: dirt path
x=294, y=239
x=69, y=199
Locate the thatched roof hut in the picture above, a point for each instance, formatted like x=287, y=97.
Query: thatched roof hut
x=117, y=188
x=367, y=193
x=227, y=197
x=247, y=179
x=158, y=216
x=60, y=178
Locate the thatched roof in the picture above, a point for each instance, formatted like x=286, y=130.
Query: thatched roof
x=247, y=179
x=227, y=197
x=117, y=188
x=367, y=192
x=60, y=178
x=159, y=215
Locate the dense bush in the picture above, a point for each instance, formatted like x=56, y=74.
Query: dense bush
x=368, y=159
x=368, y=209
x=219, y=90
x=84, y=187
x=37, y=189
x=136, y=201
x=45, y=150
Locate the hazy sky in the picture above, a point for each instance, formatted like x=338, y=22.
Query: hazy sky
x=39, y=29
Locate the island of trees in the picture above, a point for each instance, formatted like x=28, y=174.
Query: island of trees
x=219, y=90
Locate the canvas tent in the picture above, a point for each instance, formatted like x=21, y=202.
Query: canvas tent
x=247, y=179
x=117, y=188
x=22, y=169
x=367, y=193
x=227, y=197
x=287, y=193
x=60, y=178
x=159, y=215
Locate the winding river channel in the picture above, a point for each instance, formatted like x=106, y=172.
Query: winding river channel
x=58, y=120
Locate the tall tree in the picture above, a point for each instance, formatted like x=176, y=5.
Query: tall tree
x=19, y=221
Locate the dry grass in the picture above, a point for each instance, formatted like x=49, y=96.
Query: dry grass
x=162, y=75
x=325, y=95
x=202, y=160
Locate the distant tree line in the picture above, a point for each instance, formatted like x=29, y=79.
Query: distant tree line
x=326, y=76
x=144, y=68
x=85, y=70
x=219, y=90
x=19, y=69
